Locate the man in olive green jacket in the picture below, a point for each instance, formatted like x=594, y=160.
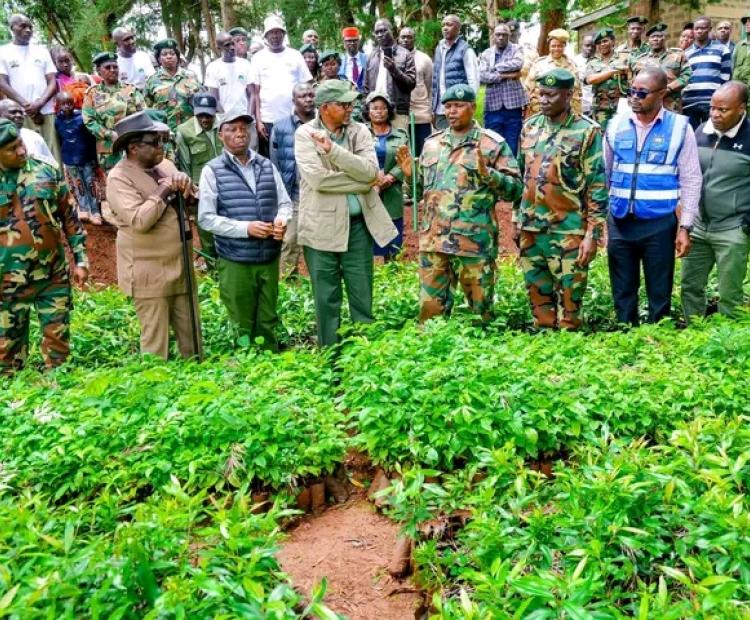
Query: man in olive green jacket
x=339, y=213
x=198, y=143
x=741, y=56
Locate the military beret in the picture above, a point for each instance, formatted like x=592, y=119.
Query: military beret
x=103, y=57
x=656, y=28
x=333, y=91
x=637, y=19
x=350, y=32
x=326, y=54
x=308, y=47
x=688, y=26
x=459, y=92
x=604, y=33
x=745, y=18
x=559, y=34
x=166, y=44
x=238, y=31
x=557, y=78
x=8, y=131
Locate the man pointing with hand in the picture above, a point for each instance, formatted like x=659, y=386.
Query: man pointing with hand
x=464, y=171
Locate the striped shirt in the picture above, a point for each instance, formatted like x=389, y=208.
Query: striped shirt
x=711, y=66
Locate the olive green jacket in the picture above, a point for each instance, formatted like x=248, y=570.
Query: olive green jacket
x=195, y=147
x=393, y=197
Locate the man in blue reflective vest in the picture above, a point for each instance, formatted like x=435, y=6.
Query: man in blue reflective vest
x=652, y=166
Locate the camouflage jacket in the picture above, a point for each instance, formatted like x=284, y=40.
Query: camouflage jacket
x=632, y=52
x=563, y=174
x=459, y=206
x=103, y=106
x=35, y=213
x=607, y=93
x=540, y=67
x=676, y=67
x=173, y=94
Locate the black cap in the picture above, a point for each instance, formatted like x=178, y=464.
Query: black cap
x=656, y=28
x=637, y=19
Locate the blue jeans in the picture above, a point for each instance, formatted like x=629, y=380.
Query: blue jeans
x=507, y=123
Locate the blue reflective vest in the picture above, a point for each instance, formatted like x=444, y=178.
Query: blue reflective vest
x=645, y=183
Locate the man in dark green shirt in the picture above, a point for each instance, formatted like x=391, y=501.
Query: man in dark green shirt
x=197, y=144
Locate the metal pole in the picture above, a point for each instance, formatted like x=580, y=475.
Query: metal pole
x=413, y=147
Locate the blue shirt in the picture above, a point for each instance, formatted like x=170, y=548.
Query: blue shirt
x=380, y=149
x=76, y=143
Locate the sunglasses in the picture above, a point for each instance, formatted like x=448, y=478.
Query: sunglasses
x=641, y=94
x=345, y=106
x=154, y=142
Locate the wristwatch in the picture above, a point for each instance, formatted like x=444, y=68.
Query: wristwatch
x=687, y=229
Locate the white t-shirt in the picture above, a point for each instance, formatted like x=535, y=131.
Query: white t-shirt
x=277, y=74
x=36, y=147
x=136, y=69
x=231, y=80
x=27, y=68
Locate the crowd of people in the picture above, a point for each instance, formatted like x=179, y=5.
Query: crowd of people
x=282, y=155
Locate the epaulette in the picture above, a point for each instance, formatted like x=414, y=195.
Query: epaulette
x=493, y=134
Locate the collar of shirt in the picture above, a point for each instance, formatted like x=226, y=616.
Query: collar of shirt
x=709, y=129
x=453, y=141
x=199, y=130
x=638, y=123
x=250, y=159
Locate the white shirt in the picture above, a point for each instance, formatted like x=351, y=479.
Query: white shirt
x=36, y=147
x=210, y=220
x=471, y=68
x=231, y=80
x=587, y=94
x=381, y=83
x=27, y=68
x=277, y=73
x=708, y=129
x=136, y=69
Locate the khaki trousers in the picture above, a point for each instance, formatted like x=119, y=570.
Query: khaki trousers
x=291, y=251
x=156, y=315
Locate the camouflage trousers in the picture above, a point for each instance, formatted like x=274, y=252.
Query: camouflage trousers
x=438, y=275
x=556, y=285
x=603, y=117
x=52, y=300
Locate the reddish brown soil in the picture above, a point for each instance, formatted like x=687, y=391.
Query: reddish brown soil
x=351, y=545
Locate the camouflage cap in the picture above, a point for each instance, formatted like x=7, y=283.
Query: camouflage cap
x=604, y=33
x=557, y=78
x=8, y=131
x=103, y=57
x=335, y=91
x=238, y=31
x=459, y=92
x=166, y=44
x=308, y=47
x=326, y=54
x=656, y=28
x=637, y=19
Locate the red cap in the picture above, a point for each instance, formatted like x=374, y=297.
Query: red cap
x=351, y=32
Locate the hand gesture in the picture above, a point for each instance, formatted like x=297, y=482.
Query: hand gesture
x=322, y=141
x=483, y=169
x=404, y=159
x=389, y=63
x=279, y=228
x=261, y=230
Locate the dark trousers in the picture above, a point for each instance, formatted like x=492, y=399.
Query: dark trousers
x=264, y=144
x=422, y=131
x=652, y=243
x=697, y=114
x=507, y=123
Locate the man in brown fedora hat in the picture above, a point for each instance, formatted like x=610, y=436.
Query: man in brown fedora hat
x=141, y=190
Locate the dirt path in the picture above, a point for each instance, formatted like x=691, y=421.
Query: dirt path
x=351, y=545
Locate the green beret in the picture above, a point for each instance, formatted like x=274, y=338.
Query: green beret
x=332, y=91
x=8, y=131
x=238, y=31
x=637, y=19
x=103, y=57
x=308, y=47
x=166, y=44
x=656, y=28
x=459, y=92
x=325, y=55
x=557, y=78
x=604, y=33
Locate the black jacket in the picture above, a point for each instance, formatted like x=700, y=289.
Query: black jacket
x=403, y=79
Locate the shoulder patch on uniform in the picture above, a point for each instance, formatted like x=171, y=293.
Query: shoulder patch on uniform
x=493, y=134
x=590, y=120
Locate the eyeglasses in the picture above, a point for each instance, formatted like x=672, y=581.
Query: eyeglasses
x=346, y=106
x=155, y=142
x=641, y=94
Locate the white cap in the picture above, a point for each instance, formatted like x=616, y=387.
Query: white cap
x=271, y=23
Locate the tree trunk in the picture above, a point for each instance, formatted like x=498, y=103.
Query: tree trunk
x=429, y=9
x=208, y=22
x=549, y=20
x=228, y=14
x=491, y=6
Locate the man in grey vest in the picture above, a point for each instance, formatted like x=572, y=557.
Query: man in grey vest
x=243, y=202
x=455, y=63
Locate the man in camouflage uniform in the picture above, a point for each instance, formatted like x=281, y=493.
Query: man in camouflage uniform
x=673, y=62
x=465, y=170
x=171, y=88
x=608, y=74
x=564, y=205
x=35, y=213
x=635, y=45
x=107, y=103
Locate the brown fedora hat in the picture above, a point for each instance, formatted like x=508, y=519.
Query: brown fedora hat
x=137, y=123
